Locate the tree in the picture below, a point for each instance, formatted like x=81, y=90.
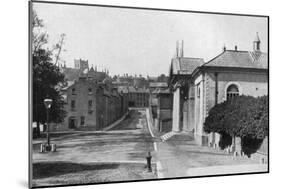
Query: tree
x=243, y=116
x=47, y=78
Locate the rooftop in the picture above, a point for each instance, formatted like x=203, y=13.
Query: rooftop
x=185, y=65
x=241, y=59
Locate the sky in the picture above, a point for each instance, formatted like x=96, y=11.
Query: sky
x=144, y=41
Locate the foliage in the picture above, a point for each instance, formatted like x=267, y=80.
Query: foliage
x=243, y=116
x=47, y=78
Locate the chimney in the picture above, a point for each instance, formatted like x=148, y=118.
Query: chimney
x=177, y=49
x=224, y=48
x=256, y=43
x=235, y=47
x=182, y=48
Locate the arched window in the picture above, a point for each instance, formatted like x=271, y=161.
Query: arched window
x=232, y=91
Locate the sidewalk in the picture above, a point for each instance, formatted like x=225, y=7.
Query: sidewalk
x=176, y=157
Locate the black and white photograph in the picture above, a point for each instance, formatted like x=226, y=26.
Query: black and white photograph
x=123, y=94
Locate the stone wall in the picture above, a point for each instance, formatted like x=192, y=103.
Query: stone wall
x=248, y=83
x=81, y=97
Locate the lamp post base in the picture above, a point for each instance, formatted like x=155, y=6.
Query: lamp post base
x=48, y=148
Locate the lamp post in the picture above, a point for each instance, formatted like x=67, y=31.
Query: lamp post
x=48, y=103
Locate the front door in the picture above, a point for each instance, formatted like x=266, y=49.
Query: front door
x=71, y=123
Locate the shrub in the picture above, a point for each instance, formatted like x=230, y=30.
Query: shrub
x=243, y=116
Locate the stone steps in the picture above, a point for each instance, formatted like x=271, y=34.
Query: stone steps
x=177, y=136
x=168, y=135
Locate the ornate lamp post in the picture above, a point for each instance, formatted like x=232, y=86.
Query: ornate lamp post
x=48, y=103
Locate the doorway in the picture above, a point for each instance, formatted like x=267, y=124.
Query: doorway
x=71, y=123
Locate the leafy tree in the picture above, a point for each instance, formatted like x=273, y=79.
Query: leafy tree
x=47, y=78
x=243, y=116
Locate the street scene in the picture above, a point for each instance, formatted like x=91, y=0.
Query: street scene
x=126, y=95
x=89, y=157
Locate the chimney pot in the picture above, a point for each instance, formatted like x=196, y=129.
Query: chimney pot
x=224, y=48
x=235, y=47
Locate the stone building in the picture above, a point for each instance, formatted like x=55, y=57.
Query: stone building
x=92, y=102
x=138, y=97
x=198, y=86
x=92, y=105
x=162, y=110
x=161, y=105
x=81, y=67
x=81, y=64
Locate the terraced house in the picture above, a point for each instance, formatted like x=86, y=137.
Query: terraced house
x=92, y=102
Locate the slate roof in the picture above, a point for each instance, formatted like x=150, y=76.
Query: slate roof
x=185, y=65
x=239, y=59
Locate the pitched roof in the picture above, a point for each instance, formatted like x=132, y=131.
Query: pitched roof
x=185, y=65
x=239, y=59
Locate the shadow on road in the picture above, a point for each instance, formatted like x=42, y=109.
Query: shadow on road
x=51, y=169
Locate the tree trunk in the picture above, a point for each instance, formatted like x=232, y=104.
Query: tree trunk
x=38, y=129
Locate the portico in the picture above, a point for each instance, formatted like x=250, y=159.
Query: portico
x=183, y=91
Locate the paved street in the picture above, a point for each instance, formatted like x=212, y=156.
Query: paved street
x=103, y=156
x=93, y=155
x=128, y=141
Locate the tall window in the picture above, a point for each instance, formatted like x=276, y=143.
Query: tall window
x=90, y=105
x=232, y=91
x=82, y=120
x=73, y=91
x=72, y=104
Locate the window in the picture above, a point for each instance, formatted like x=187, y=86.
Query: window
x=232, y=91
x=90, y=105
x=198, y=91
x=73, y=91
x=82, y=120
x=72, y=104
x=90, y=90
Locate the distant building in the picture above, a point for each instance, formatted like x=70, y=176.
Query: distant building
x=138, y=97
x=81, y=69
x=81, y=64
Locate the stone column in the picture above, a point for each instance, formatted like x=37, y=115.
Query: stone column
x=176, y=110
x=185, y=116
x=238, y=148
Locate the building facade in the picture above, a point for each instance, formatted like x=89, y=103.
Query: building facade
x=92, y=105
x=198, y=86
x=138, y=97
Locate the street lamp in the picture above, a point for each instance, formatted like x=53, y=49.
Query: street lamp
x=48, y=103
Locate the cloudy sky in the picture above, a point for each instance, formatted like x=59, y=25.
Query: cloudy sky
x=144, y=41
